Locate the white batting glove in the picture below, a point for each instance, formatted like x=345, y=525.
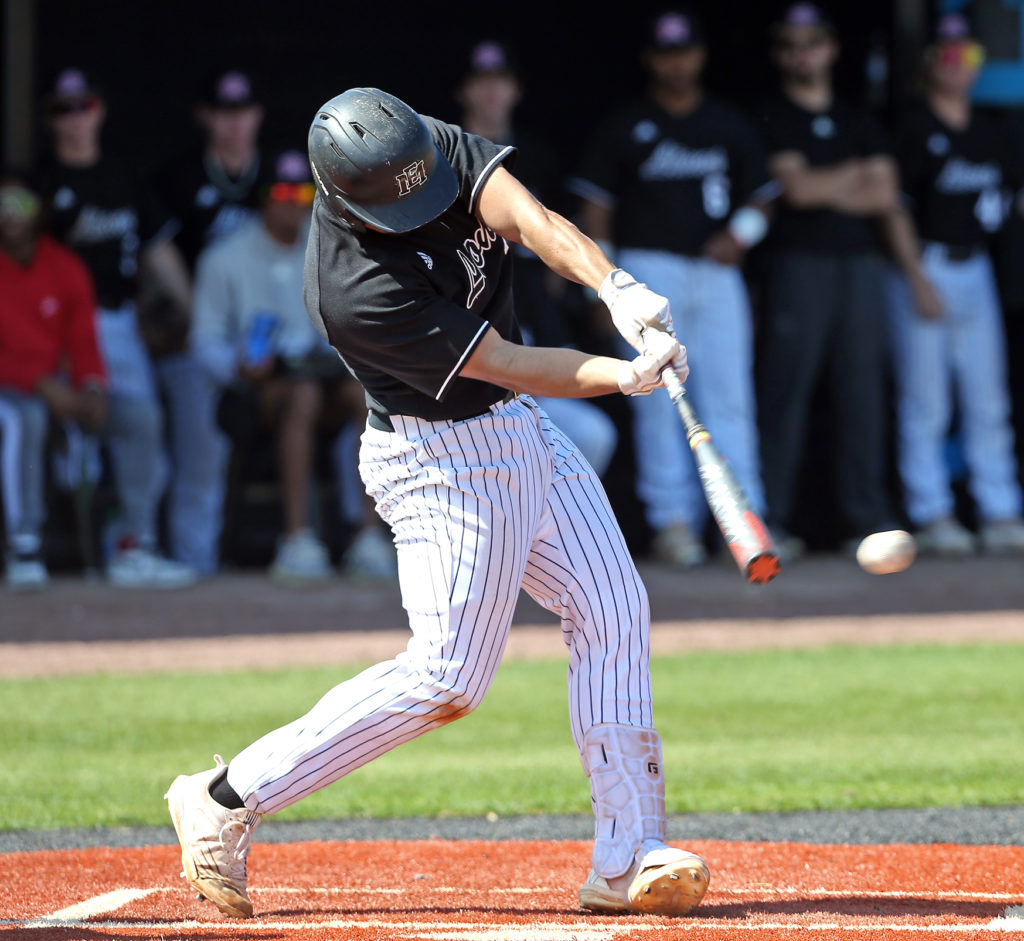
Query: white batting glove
x=642, y=375
x=634, y=309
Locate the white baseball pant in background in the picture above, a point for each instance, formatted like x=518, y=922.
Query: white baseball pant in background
x=711, y=314
x=965, y=351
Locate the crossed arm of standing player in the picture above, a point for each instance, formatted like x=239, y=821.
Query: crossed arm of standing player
x=640, y=315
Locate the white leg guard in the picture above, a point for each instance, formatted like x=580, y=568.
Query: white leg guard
x=627, y=787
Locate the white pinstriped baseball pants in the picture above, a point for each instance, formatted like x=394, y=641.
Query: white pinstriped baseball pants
x=478, y=508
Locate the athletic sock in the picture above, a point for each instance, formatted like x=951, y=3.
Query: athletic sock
x=225, y=795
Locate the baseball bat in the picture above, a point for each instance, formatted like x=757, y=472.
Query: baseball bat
x=745, y=534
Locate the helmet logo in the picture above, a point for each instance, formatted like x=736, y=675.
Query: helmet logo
x=412, y=176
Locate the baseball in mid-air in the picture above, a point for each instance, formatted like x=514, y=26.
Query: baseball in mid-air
x=886, y=553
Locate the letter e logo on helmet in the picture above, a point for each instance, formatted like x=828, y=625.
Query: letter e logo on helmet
x=413, y=175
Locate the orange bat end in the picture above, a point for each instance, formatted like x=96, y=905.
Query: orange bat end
x=763, y=567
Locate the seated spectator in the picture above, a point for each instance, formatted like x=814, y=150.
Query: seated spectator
x=101, y=210
x=211, y=192
x=47, y=317
x=252, y=335
x=947, y=325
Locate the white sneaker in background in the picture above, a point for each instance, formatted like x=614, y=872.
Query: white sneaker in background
x=26, y=573
x=677, y=545
x=142, y=568
x=301, y=558
x=946, y=538
x=371, y=555
x=1003, y=537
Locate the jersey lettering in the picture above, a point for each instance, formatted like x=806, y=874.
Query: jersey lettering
x=963, y=176
x=673, y=161
x=473, y=258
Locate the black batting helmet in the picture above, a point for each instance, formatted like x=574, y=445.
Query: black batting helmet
x=374, y=156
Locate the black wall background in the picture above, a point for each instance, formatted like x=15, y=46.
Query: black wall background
x=576, y=60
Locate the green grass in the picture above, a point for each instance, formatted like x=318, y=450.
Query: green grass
x=833, y=728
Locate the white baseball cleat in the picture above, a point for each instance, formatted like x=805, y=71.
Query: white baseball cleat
x=662, y=881
x=214, y=841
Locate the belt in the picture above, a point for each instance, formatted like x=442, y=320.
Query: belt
x=382, y=420
x=955, y=252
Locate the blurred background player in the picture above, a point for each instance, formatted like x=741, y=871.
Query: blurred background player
x=947, y=325
x=49, y=365
x=824, y=297
x=674, y=182
x=488, y=94
x=210, y=194
x=101, y=210
x=251, y=332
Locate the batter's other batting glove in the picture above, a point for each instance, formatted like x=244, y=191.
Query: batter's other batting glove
x=635, y=310
x=642, y=375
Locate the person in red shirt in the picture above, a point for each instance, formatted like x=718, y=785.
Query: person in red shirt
x=49, y=365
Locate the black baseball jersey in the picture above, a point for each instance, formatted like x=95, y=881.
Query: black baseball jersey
x=106, y=215
x=206, y=203
x=406, y=311
x=955, y=181
x=672, y=181
x=824, y=138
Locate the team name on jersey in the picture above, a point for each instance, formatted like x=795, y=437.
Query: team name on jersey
x=229, y=218
x=473, y=254
x=674, y=161
x=94, y=225
x=960, y=175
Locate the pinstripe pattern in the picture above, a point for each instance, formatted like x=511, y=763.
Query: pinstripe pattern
x=478, y=509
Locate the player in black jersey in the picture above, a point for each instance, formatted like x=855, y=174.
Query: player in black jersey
x=488, y=95
x=210, y=194
x=102, y=210
x=957, y=170
x=677, y=184
x=408, y=274
x=825, y=295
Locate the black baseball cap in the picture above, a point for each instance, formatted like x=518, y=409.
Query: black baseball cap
x=490, y=57
x=675, y=29
x=290, y=166
x=803, y=14
x=952, y=27
x=230, y=88
x=70, y=87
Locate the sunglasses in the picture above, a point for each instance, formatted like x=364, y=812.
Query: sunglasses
x=74, y=106
x=962, y=54
x=301, y=193
x=18, y=203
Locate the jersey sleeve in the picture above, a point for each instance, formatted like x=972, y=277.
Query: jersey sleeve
x=213, y=313
x=473, y=158
x=910, y=156
x=751, y=180
x=597, y=177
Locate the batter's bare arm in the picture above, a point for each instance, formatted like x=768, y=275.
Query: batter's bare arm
x=507, y=207
x=566, y=373
x=514, y=213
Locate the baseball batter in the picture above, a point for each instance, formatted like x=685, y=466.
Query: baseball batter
x=408, y=275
